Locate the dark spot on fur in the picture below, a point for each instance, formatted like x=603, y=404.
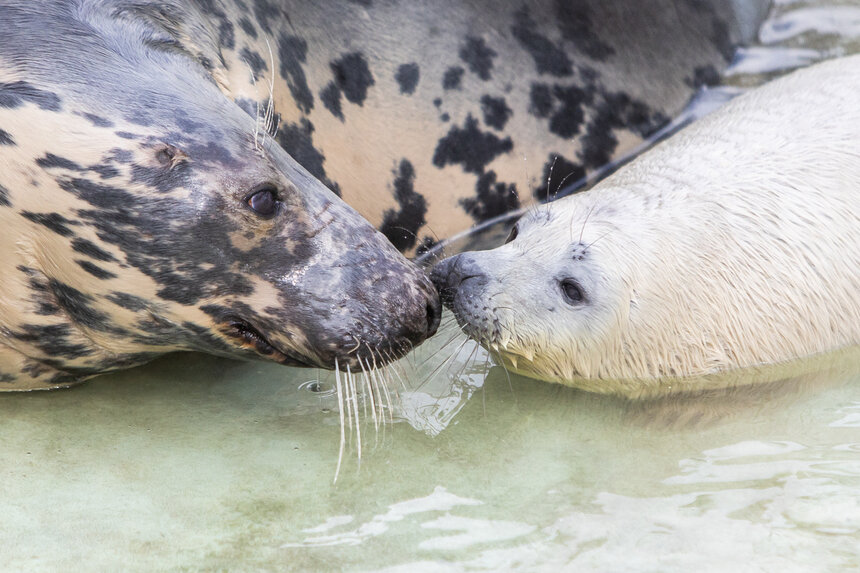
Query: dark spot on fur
x=54, y=221
x=365, y=3
x=50, y=160
x=90, y=249
x=540, y=100
x=4, y=197
x=255, y=61
x=616, y=111
x=453, y=78
x=15, y=94
x=104, y=171
x=188, y=257
x=478, y=56
x=297, y=140
x=330, y=96
x=704, y=76
x=576, y=26
x=558, y=174
x=264, y=10
x=407, y=76
x=248, y=27
x=95, y=270
x=568, y=117
x=496, y=111
x=161, y=178
x=98, y=121
x=120, y=155
x=492, y=200
x=126, y=135
x=128, y=301
x=292, y=53
x=352, y=75
x=437, y=102
x=6, y=138
x=470, y=147
x=548, y=58
x=445, y=117
x=53, y=340
x=226, y=34
x=402, y=225
x=78, y=306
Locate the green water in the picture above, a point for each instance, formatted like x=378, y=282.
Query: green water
x=196, y=463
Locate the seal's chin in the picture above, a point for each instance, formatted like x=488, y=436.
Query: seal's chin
x=251, y=338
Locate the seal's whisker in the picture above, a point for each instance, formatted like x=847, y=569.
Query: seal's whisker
x=355, y=413
x=369, y=394
x=342, y=420
x=270, y=107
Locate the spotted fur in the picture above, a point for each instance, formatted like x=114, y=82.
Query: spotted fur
x=479, y=97
x=127, y=226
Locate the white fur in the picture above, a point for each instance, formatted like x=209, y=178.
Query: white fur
x=734, y=244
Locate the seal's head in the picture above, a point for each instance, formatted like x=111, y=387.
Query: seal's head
x=145, y=212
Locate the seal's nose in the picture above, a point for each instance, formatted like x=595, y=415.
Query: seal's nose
x=434, y=311
x=425, y=326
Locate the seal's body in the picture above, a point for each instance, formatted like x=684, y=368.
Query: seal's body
x=143, y=212
x=735, y=244
x=429, y=117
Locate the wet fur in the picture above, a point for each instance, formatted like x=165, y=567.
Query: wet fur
x=734, y=245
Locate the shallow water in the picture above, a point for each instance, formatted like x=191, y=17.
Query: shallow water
x=194, y=462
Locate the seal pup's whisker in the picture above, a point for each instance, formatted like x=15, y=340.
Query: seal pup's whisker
x=444, y=364
x=587, y=215
x=549, y=178
x=561, y=184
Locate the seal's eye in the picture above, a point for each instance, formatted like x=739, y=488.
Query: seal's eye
x=513, y=235
x=572, y=292
x=264, y=201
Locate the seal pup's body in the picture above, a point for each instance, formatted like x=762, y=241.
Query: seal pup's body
x=733, y=245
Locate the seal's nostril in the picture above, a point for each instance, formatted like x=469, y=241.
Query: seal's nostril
x=434, y=315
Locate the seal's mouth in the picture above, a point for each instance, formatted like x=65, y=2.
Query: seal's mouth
x=251, y=338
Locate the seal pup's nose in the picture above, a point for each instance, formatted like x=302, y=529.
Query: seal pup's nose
x=450, y=273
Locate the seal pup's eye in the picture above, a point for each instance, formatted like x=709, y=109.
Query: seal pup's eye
x=263, y=201
x=513, y=234
x=572, y=292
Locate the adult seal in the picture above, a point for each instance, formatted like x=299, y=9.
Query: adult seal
x=144, y=212
x=431, y=117
x=732, y=246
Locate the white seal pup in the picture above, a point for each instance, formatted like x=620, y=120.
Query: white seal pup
x=732, y=246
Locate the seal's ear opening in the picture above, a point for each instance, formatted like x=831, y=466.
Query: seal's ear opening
x=169, y=155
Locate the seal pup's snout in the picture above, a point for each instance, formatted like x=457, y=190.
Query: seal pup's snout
x=458, y=275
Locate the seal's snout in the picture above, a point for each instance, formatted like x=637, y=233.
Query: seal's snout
x=433, y=311
x=420, y=311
